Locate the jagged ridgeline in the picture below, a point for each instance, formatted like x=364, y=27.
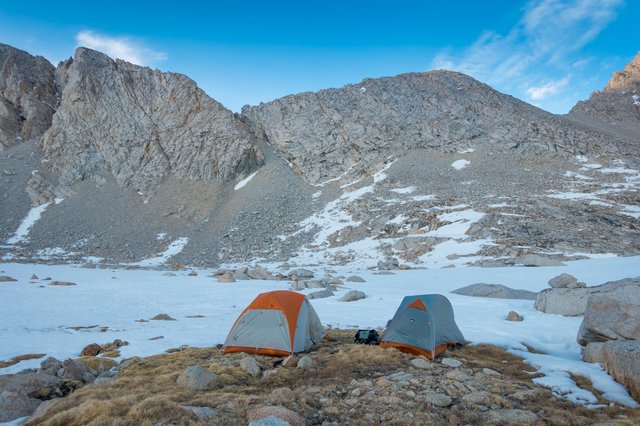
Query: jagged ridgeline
x=137, y=153
x=141, y=124
x=27, y=96
x=327, y=133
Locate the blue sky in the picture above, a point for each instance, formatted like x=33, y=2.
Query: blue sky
x=551, y=53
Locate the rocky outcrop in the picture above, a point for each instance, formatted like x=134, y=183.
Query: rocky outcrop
x=619, y=102
x=497, y=291
x=608, y=318
x=573, y=301
x=326, y=134
x=141, y=125
x=621, y=359
x=27, y=96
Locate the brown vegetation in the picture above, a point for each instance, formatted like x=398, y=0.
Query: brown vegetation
x=145, y=391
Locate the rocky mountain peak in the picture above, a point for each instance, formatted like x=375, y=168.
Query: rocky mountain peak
x=140, y=125
x=626, y=79
x=27, y=95
x=331, y=132
x=618, y=105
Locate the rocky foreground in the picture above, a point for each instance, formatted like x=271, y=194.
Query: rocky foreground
x=337, y=382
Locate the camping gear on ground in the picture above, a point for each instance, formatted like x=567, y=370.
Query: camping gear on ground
x=276, y=323
x=367, y=337
x=423, y=325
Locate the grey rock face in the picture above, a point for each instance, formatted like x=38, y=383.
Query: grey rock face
x=619, y=102
x=141, y=125
x=608, y=318
x=621, y=359
x=573, y=301
x=328, y=133
x=27, y=95
x=497, y=291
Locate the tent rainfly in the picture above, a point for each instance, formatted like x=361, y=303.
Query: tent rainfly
x=423, y=325
x=277, y=323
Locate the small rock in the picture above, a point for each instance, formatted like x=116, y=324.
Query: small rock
x=157, y=338
x=250, y=366
x=91, y=350
x=72, y=370
x=562, y=281
x=50, y=366
x=450, y=362
x=388, y=265
x=6, y=279
x=196, y=378
x=512, y=417
x=355, y=279
x=290, y=361
x=356, y=392
x=476, y=398
x=168, y=274
x=300, y=273
x=490, y=372
x=400, y=376
x=163, y=317
x=281, y=395
x=352, y=296
x=437, y=399
x=335, y=281
x=514, y=316
x=305, y=362
x=279, y=412
x=34, y=277
x=88, y=265
x=259, y=274
x=421, y=363
x=206, y=414
x=227, y=277
x=320, y=294
x=62, y=283
x=193, y=274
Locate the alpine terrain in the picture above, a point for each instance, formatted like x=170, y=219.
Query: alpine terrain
x=139, y=214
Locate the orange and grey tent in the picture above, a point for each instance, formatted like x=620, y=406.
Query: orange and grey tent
x=423, y=325
x=276, y=323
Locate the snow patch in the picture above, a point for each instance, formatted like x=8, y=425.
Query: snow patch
x=423, y=197
x=244, y=181
x=407, y=190
x=174, y=248
x=23, y=230
x=460, y=164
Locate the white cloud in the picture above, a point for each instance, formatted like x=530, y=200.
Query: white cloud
x=551, y=88
x=120, y=47
x=541, y=45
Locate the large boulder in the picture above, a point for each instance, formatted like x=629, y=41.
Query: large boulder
x=573, y=301
x=606, y=318
x=563, y=281
x=352, y=296
x=22, y=393
x=497, y=291
x=621, y=359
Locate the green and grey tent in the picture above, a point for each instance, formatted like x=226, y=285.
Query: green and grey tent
x=423, y=325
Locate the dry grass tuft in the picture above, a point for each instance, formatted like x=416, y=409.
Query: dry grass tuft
x=17, y=359
x=145, y=392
